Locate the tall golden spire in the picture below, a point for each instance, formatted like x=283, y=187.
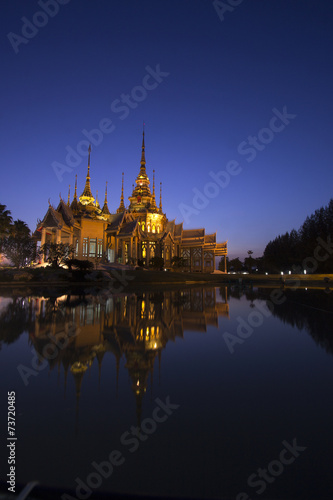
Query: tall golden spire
x=69, y=196
x=75, y=190
x=87, y=197
x=143, y=156
x=74, y=204
x=121, y=206
x=160, y=208
x=105, y=208
x=153, y=202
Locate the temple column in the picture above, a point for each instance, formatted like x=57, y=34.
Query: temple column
x=148, y=254
x=123, y=252
x=225, y=263
x=115, y=249
x=202, y=260
x=58, y=236
x=130, y=249
x=80, y=249
x=135, y=249
x=42, y=242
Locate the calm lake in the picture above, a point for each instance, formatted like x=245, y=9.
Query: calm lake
x=199, y=392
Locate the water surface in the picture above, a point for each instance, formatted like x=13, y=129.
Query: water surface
x=198, y=391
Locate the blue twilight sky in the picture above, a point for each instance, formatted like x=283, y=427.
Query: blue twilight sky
x=211, y=84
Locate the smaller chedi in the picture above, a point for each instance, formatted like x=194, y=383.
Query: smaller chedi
x=129, y=235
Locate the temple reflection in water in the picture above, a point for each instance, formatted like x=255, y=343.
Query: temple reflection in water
x=71, y=331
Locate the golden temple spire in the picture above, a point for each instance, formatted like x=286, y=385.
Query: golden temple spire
x=87, y=190
x=87, y=197
x=143, y=156
x=160, y=208
x=75, y=189
x=74, y=204
x=121, y=206
x=105, y=208
x=69, y=196
x=153, y=203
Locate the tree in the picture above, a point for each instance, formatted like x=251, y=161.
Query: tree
x=235, y=265
x=19, y=247
x=6, y=221
x=57, y=253
x=249, y=262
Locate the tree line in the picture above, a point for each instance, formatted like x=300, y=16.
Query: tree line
x=295, y=250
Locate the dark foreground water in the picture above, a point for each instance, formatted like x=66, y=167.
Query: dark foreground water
x=203, y=392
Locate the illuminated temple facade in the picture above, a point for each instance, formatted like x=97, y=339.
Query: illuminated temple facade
x=131, y=234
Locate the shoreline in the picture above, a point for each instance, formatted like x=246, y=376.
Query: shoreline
x=123, y=280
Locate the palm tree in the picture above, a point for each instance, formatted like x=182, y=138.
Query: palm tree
x=6, y=221
x=20, y=229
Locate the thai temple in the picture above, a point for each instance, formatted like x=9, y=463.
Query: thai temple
x=131, y=234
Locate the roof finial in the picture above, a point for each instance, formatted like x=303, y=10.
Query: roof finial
x=160, y=208
x=96, y=201
x=121, y=206
x=154, y=207
x=69, y=196
x=105, y=208
x=89, y=151
x=75, y=189
x=143, y=157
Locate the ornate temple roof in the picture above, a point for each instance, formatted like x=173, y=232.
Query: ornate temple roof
x=66, y=212
x=128, y=228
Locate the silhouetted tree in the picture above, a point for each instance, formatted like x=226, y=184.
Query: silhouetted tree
x=19, y=247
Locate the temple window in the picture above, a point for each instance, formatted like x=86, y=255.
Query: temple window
x=85, y=247
x=148, y=227
x=154, y=228
x=92, y=248
x=143, y=225
x=100, y=248
x=158, y=229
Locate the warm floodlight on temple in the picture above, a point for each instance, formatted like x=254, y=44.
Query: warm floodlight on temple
x=128, y=235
